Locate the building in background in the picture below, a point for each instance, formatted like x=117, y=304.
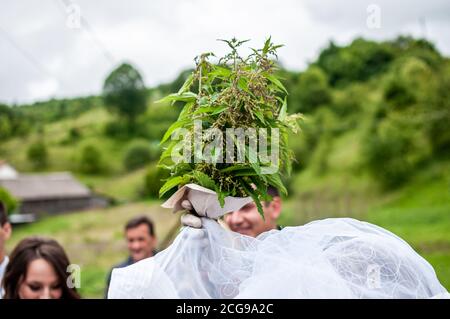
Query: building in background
x=47, y=194
x=7, y=171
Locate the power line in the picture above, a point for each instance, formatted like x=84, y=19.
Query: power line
x=30, y=57
x=88, y=28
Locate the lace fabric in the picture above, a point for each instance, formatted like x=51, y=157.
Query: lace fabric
x=331, y=258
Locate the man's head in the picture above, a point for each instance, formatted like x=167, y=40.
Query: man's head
x=248, y=221
x=141, y=238
x=5, y=229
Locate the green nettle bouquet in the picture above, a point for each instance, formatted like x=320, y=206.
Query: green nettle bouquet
x=232, y=133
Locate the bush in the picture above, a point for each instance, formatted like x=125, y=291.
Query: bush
x=154, y=179
x=393, y=151
x=8, y=200
x=154, y=123
x=304, y=144
x=348, y=103
x=91, y=161
x=13, y=122
x=311, y=91
x=116, y=129
x=319, y=159
x=138, y=154
x=359, y=61
x=37, y=155
x=398, y=95
x=439, y=110
x=74, y=133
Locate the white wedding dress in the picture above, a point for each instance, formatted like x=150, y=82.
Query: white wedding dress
x=331, y=258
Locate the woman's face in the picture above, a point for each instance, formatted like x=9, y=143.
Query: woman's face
x=40, y=282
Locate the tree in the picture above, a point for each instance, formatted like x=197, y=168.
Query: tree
x=153, y=180
x=138, y=154
x=356, y=62
x=37, y=154
x=8, y=200
x=91, y=160
x=124, y=93
x=312, y=90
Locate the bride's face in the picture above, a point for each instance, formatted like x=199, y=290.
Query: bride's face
x=248, y=221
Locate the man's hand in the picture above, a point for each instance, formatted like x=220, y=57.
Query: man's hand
x=190, y=219
x=198, y=234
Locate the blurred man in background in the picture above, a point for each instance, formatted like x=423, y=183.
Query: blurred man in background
x=141, y=241
x=5, y=233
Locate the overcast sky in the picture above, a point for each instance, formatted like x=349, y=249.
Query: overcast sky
x=46, y=51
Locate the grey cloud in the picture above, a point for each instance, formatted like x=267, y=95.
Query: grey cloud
x=162, y=37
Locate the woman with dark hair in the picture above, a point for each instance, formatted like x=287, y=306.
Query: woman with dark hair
x=38, y=269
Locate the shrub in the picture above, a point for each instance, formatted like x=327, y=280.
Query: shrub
x=91, y=161
x=138, y=154
x=37, y=154
x=393, y=151
x=8, y=200
x=74, y=133
x=116, y=129
x=154, y=179
x=312, y=90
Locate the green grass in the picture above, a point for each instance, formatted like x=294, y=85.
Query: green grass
x=94, y=239
x=115, y=181
x=441, y=264
x=421, y=216
x=123, y=187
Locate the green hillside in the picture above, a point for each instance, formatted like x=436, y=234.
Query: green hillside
x=375, y=145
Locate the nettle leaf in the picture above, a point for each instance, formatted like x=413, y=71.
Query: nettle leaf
x=260, y=117
x=204, y=180
x=276, y=82
x=254, y=196
x=275, y=181
x=187, y=84
x=243, y=84
x=167, y=152
x=233, y=168
x=283, y=111
x=220, y=72
x=178, y=124
x=169, y=184
x=211, y=110
x=174, y=97
x=247, y=172
x=186, y=110
x=203, y=101
x=182, y=169
x=266, y=47
x=221, y=196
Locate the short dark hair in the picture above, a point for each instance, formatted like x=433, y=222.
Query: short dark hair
x=272, y=191
x=3, y=214
x=141, y=220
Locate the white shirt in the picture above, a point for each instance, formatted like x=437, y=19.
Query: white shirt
x=2, y=272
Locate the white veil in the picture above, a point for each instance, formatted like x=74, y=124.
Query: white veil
x=331, y=258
